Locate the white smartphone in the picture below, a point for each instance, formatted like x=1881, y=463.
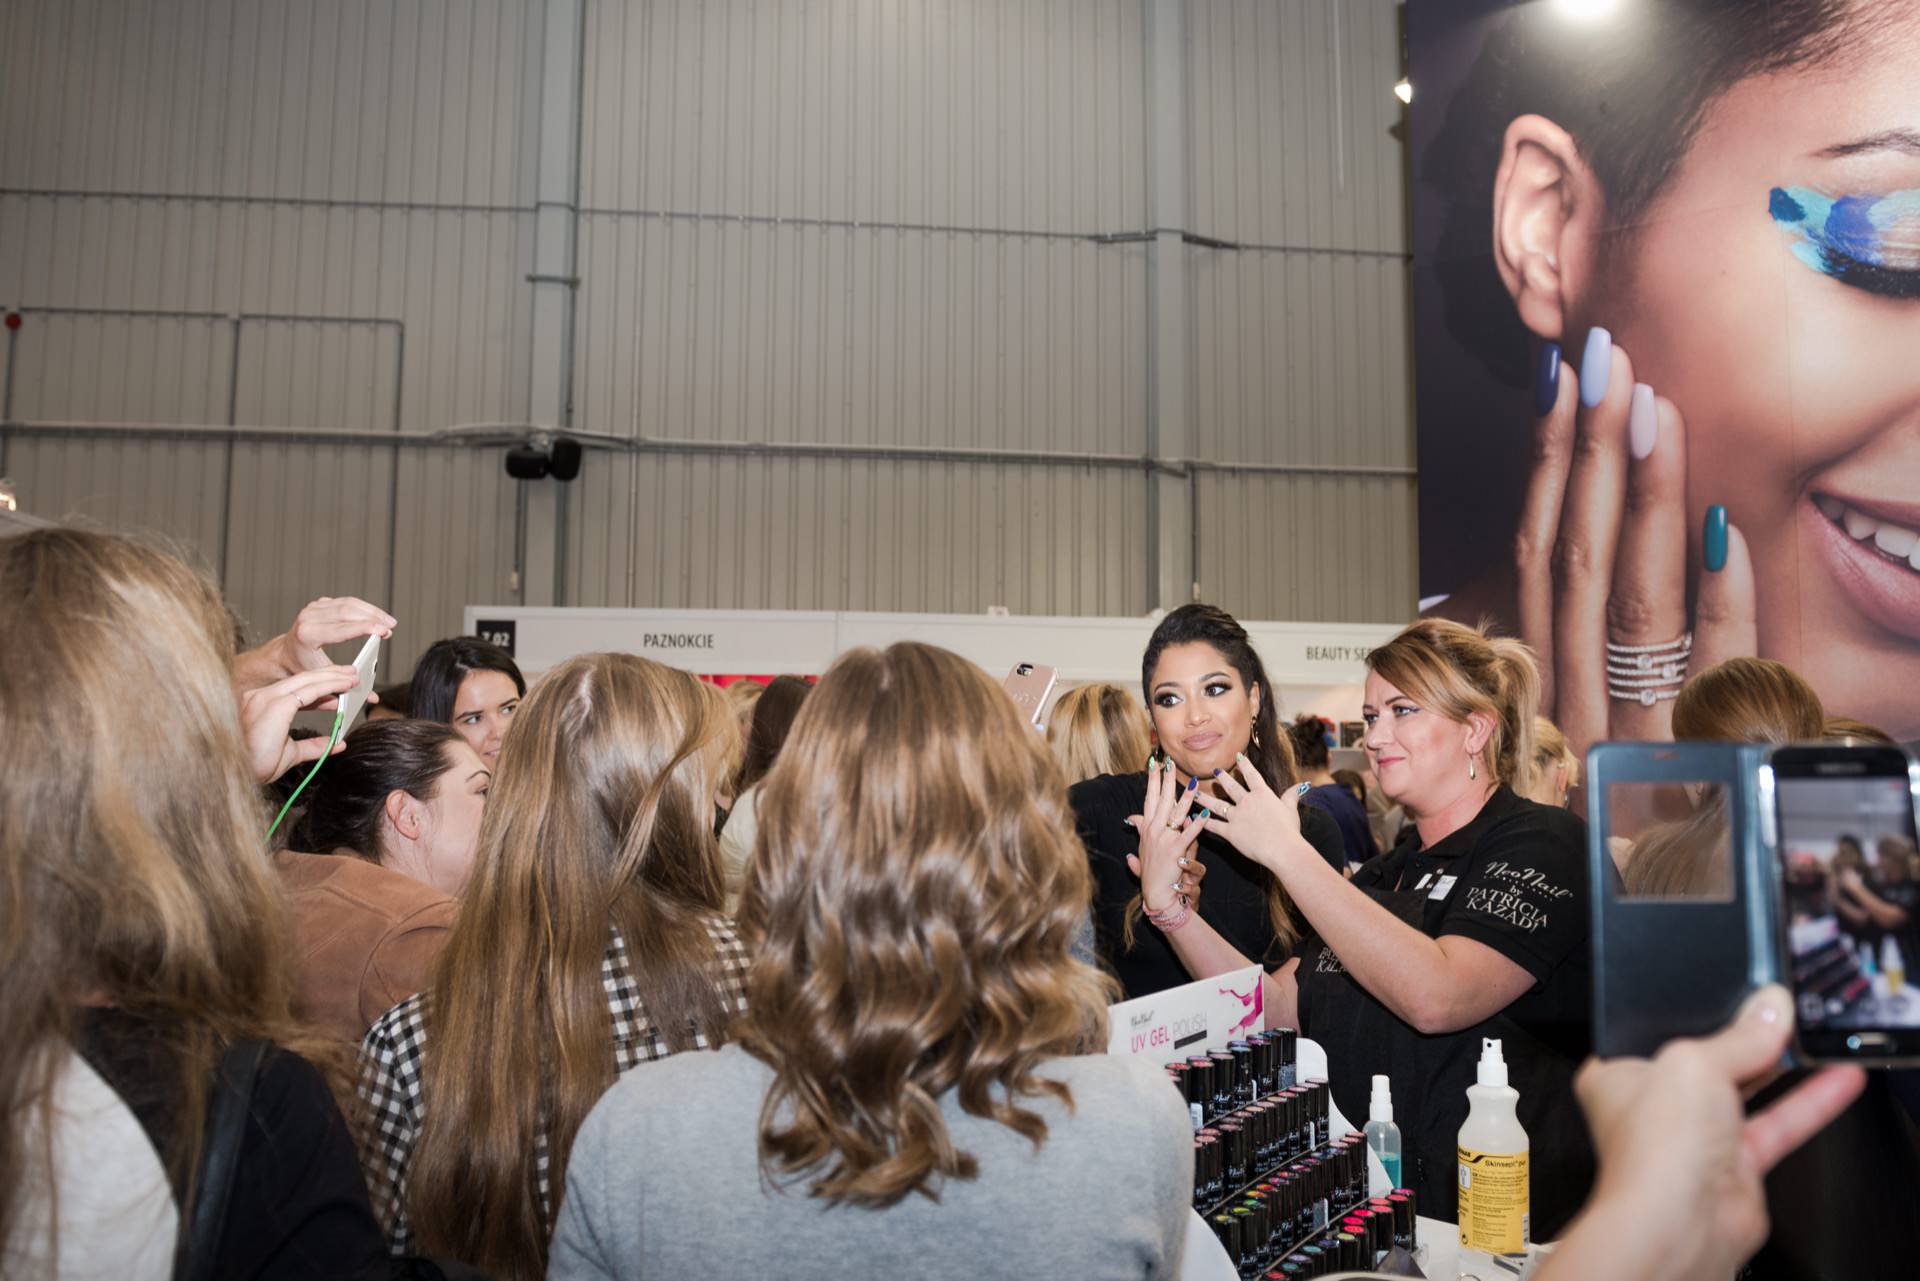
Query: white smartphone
x=355, y=700
x=1028, y=684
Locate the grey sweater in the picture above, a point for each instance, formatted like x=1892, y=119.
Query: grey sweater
x=664, y=1182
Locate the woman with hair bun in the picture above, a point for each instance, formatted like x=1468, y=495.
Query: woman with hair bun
x=918, y=1087
x=1475, y=925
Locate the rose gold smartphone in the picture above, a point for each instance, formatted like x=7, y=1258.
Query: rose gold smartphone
x=1028, y=685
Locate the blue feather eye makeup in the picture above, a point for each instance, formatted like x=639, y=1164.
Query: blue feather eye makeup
x=1870, y=242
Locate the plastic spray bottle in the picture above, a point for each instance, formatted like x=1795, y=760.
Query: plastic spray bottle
x=1383, y=1139
x=1493, y=1154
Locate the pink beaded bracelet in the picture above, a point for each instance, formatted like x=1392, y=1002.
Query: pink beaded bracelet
x=1174, y=917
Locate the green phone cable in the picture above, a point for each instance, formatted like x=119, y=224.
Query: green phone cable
x=331, y=740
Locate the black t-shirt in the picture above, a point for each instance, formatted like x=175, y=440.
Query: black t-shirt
x=299, y=1206
x=1233, y=897
x=1514, y=879
x=1351, y=816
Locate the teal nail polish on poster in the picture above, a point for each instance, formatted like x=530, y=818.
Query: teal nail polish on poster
x=1713, y=539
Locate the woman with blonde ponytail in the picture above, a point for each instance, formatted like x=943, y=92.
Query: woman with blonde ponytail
x=591, y=938
x=1475, y=925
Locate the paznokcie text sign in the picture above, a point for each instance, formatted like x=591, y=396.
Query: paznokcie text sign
x=1184, y=1021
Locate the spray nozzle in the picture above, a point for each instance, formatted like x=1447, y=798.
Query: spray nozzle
x=1380, y=1107
x=1493, y=1067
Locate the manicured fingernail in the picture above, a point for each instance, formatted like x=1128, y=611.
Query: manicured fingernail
x=1192, y=783
x=1770, y=1004
x=1596, y=365
x=1643, y=422
x=1216, y=773
x=1239, y=756
x=1713, y=539
x=1205, y=814
x=1546, y=379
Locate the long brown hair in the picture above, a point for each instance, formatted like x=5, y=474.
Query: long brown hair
x=1457, y=670
x=1269, y=747
x=910, y=904
x=133, y=863
x=1097, y=729
x=601, y=815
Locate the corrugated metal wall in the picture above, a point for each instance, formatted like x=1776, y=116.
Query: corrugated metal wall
x=838, y=222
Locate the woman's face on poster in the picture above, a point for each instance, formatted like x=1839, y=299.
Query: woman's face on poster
x=1771, y=291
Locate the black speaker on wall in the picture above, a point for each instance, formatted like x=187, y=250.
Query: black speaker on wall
x=560, y=460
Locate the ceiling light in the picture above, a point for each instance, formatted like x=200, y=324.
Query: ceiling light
x=1587, y=10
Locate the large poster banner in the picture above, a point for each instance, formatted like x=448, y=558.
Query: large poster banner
x=1667, y=321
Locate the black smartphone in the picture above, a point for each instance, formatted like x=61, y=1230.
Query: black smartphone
x=1848, y=855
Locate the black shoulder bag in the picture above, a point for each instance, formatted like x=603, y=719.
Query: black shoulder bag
x=202, y=1226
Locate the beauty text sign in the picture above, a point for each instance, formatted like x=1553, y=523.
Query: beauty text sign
x=1184, y=1021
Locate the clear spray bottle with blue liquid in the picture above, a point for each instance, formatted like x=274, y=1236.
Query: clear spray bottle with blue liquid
x=1383, y=1139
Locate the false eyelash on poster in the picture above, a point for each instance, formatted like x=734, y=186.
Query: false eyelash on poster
x=1871, y=242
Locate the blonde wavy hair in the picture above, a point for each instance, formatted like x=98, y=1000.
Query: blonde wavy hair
x=913, y=892
x=1456, y=670
x=133, y=848
x=1098, y=729
x=601, y=814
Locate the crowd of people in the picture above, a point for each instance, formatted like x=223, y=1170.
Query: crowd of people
x=621, y=975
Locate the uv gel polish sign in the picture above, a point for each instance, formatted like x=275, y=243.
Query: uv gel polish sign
x=1188, y=1020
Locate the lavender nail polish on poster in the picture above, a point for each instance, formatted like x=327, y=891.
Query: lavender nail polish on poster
x=1643, y=422
x=1546, y=379
x=1596, y=365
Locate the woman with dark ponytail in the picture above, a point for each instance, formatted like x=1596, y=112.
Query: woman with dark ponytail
x=1325, y=792
x=391, y=826
x=1476, y=925
x=1212, y=706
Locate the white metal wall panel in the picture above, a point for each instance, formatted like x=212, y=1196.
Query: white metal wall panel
x=858, y=222
x=868, y=224
x=1329, y=547
x=332, y=200
x=729, y=533
x=1300, y=341
x=163, y=489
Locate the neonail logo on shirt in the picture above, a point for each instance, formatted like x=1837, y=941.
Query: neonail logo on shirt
x=1526, y=878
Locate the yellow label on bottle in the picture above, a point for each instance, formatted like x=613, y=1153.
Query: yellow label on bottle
x=1493, y=1201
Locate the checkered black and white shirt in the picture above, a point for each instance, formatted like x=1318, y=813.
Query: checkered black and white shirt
x=392, y=1066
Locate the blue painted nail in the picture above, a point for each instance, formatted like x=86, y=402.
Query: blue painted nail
x=1192, y=783
x=1713, y=539
x=1546, y=379
x=1596, y=366
x=1216, y=773
x=1205, y=814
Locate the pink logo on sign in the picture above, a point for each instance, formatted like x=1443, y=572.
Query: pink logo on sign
x=1250, y=1002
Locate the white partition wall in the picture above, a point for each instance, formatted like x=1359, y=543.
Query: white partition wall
x=1314, y=667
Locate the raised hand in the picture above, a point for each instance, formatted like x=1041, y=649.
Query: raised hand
x=1601, y=555
x=266, y=718
x=329, y=620
x=1260, y=823
x=1165, y=864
